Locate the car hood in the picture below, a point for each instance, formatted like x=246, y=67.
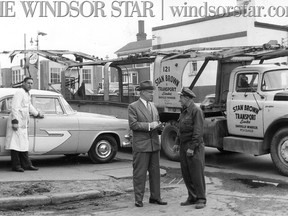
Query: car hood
x=98, y=122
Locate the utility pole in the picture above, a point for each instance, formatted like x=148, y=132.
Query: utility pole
x=38, y=63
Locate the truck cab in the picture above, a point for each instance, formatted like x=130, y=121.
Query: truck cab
x=256, y=120
x=256, y=98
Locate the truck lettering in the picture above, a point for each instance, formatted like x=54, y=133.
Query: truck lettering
x=245, y=116
x=246, y=108
x=246, y=130
x=166, y=93
x=166, y=69
x=251, y=109
x=238, y=107
x=167, y=88
x=172, y=79
x=245, y=121
x=252, y=127
x=159, y=80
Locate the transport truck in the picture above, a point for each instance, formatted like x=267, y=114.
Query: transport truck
x=250, y=112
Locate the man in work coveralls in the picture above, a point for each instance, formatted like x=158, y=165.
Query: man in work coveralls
x=192, y=156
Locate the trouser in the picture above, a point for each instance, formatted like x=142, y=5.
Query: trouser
x=143, y=162
x=192, y=168
x=20, y=159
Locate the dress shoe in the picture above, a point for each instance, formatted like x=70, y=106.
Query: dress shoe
x=159, y=202
x=32, y=168
x=18, y=169
x=200, y=205
x=188, y=202
x=139, y=204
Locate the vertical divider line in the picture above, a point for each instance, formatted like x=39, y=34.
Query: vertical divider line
x=162, y=9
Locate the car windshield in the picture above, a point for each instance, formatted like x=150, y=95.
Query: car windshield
x=67, y=107
x=275, y=80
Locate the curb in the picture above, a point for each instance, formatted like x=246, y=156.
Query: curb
x=58, y=198
x=18, y=202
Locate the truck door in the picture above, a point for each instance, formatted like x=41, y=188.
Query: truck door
x=245, y=106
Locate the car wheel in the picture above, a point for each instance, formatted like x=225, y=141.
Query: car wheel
x=279, y=150
x=168, y=138
x=103, y=149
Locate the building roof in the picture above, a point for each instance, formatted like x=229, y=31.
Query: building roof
x=220, y=16
x=135, y=47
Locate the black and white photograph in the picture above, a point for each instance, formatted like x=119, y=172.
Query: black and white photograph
x=156, y=107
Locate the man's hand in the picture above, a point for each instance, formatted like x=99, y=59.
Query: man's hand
x=40, y=115
x=176, y=148
x=190, y=152
x=154, y=125
x=15, y=127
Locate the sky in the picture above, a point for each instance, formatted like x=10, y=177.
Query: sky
x=100, y=34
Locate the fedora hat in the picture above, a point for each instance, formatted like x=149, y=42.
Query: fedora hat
x=186, y=92
x=145, y=85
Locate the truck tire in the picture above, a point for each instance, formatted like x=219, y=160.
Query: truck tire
x=103, y=150
x=279, y=150
x=168, y=138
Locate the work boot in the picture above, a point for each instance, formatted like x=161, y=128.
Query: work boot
x=18, y=169
x=32, y=168
x=188, y=202
x=200, y=205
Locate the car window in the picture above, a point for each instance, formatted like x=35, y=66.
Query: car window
x=48, y=105
x=5, y=105
x=67, y=107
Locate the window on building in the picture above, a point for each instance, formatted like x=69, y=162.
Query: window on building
x=16, y=76
x=55, y=75
x=130, y=77
x=86, y=76
x=135, y=78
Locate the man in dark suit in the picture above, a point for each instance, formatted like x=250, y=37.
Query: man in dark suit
x=144, y=122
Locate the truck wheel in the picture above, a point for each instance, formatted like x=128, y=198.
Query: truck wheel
x=279, y=150
x=103, y=149
x=168, y=138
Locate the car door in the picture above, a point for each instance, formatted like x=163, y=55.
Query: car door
x=57, y=132
x=5, y=109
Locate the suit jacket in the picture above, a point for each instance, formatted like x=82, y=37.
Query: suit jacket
x=139, y=118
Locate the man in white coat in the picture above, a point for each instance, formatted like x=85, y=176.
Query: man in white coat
x=17, y=139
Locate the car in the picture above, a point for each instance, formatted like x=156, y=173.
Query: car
x=66, y=131
x=207, y=102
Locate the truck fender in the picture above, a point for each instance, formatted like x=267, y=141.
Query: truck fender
x=273, y=128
